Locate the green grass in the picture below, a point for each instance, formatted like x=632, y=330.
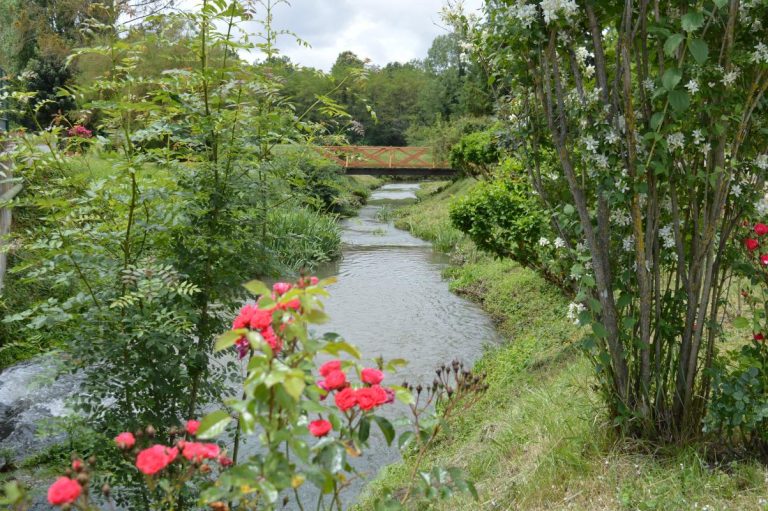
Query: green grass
x=539, y=438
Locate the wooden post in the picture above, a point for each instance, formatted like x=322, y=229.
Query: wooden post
x=7, y=192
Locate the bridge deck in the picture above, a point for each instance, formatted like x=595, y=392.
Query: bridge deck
x=385, y=160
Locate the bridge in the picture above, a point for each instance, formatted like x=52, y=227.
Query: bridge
x=386, y=161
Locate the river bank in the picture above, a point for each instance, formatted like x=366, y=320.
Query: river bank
x=539, y=438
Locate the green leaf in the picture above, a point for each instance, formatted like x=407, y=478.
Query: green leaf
x=671, y=78
x=386, y=428
x=334, y=348
x=404, y=396
x=569, y=209
x=679, y=100
x=671, y=44
x=228, y=339
x=693, y=21
x=405, y=440
x=699, y=50
x=599, y=330
x=213, y=424
x=365, y=429
x=741, y=322
x=294, y=385
x=257, y=287
x=656, y=120
x=721, y=3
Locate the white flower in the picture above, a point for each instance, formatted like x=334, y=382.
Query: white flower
x=692, y=86
x=590, y=143
x=558, y=9
x=574, y=310
x=629, y=243
x=705, y=148
x=622, y=186
x=524, y=12
x=698, y=138
x=589, y=71
x=601, y=161
x=668, y=236
x=582, y=54
x=762, y=162
x=762, y=206
x=675, y=141
x=649, y=85
x=611, y=137
x=620, y=218
x=730, y=76
x=466, y=46
x=543, y=242
x=559, y=243
x=581, y=247
x=736, y=190
x=760, y=54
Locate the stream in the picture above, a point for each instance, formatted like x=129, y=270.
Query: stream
x=390, y=300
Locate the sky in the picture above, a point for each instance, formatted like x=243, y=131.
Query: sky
x=381, y=30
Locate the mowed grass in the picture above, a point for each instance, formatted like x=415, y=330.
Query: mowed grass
x=539, y=439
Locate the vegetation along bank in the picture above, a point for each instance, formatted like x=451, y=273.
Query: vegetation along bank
x=539, y=437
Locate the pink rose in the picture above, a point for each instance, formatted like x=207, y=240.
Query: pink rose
x=153, y=459
x=320, y=428
x=372, y=376
x=125, y=440
x=192, y=426
x=64, y=491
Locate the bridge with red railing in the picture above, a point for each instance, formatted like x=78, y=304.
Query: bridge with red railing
x=387, y=161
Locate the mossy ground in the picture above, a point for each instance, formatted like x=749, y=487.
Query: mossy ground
x=539, y=439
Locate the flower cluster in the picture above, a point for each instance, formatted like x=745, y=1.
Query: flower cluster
x=79, y=132
x=367, y=397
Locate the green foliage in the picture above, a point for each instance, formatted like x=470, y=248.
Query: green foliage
x=504, y=218
x=475, y=153
x=300, y=238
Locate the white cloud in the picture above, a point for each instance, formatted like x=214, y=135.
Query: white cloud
x=383, y=31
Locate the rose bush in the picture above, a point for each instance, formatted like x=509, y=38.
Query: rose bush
x=302, y=437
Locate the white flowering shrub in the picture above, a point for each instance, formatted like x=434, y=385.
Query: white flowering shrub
x=653, y=117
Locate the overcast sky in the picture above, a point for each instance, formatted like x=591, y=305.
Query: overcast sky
x=381, y=30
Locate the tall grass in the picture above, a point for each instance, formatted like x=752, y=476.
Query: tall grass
x=300, y=238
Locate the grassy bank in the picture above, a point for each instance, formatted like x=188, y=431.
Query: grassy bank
x=539, y=439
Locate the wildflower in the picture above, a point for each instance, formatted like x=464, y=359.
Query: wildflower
x=589, y=71
x=543, y=242
x=192, y=426
x=760, y=54
x=153, y=459
x=692, y=86
x=731, y=76
x=197, y=451
x=649, y=85
x=332, y=365
x=629, y=243
x=346, y=399
x=736, y=190
x=552, y=9
x=524, y=12
x=125, y=440
x=64, y=491
x=335, y=380
x=574, y=311
x=590, y=143
x=762, y=162
x=675, y=141
x=697, y=137
x=320, y=428
x=751, y=244
x=371, y=376
x=559, y=243
x=582, y=54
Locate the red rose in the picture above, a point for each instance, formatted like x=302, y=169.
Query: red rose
x=333, y=365
x=261, y=319
x=346, y=399
x=244, y=318
x=272, y=339
x=751, y=244
x=77, y=465
x=125, y=440
x=153, y=459
x=64, y=491
x=761, y=229
x=381, y=394
x=224, y=461
x=313, y=280
x=764, y=259
x=192, y=426
x=335, y=380
x=370, y=397
x=294, y=304
x=281, y=288
x=372, y=376
x=196, y=451
x=320, y=428
x=759, y=336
